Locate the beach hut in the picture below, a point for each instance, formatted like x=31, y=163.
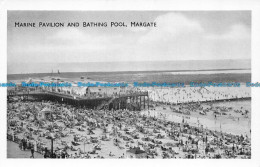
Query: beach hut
x=136, y=153
x=44, y=112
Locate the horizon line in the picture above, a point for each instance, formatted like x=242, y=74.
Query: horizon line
x=133, y=71
x=133, y=61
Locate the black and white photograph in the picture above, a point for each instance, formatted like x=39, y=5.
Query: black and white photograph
x=129, y=84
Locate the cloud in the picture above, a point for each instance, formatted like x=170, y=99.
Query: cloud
x=236, y=32
x=138, y=29
x=73, y=41
x=171, y=25
x=68, y=34
x=176, y=37
x=180, y=38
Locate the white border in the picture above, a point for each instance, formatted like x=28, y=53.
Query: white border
x=181, y=5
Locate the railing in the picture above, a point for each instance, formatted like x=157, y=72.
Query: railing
x=133, y=94
x=121, y=94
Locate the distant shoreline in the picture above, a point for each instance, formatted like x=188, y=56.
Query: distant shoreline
x=148, y=71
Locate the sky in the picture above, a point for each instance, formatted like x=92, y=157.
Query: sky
x=181, y=35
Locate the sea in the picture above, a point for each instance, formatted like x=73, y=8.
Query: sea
x=170, y=66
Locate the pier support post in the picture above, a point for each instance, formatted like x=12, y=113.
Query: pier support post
x=148, y=102
x=144, y=102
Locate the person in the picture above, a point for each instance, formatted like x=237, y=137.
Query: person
x=32, y=152
x=45, y=154
x=21, y=145
x=54, y=155
x=63, y=155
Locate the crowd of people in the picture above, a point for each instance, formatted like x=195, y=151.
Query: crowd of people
x=194, y=94
x=78, y=132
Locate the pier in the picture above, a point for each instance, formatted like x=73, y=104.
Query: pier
x=132, y=101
